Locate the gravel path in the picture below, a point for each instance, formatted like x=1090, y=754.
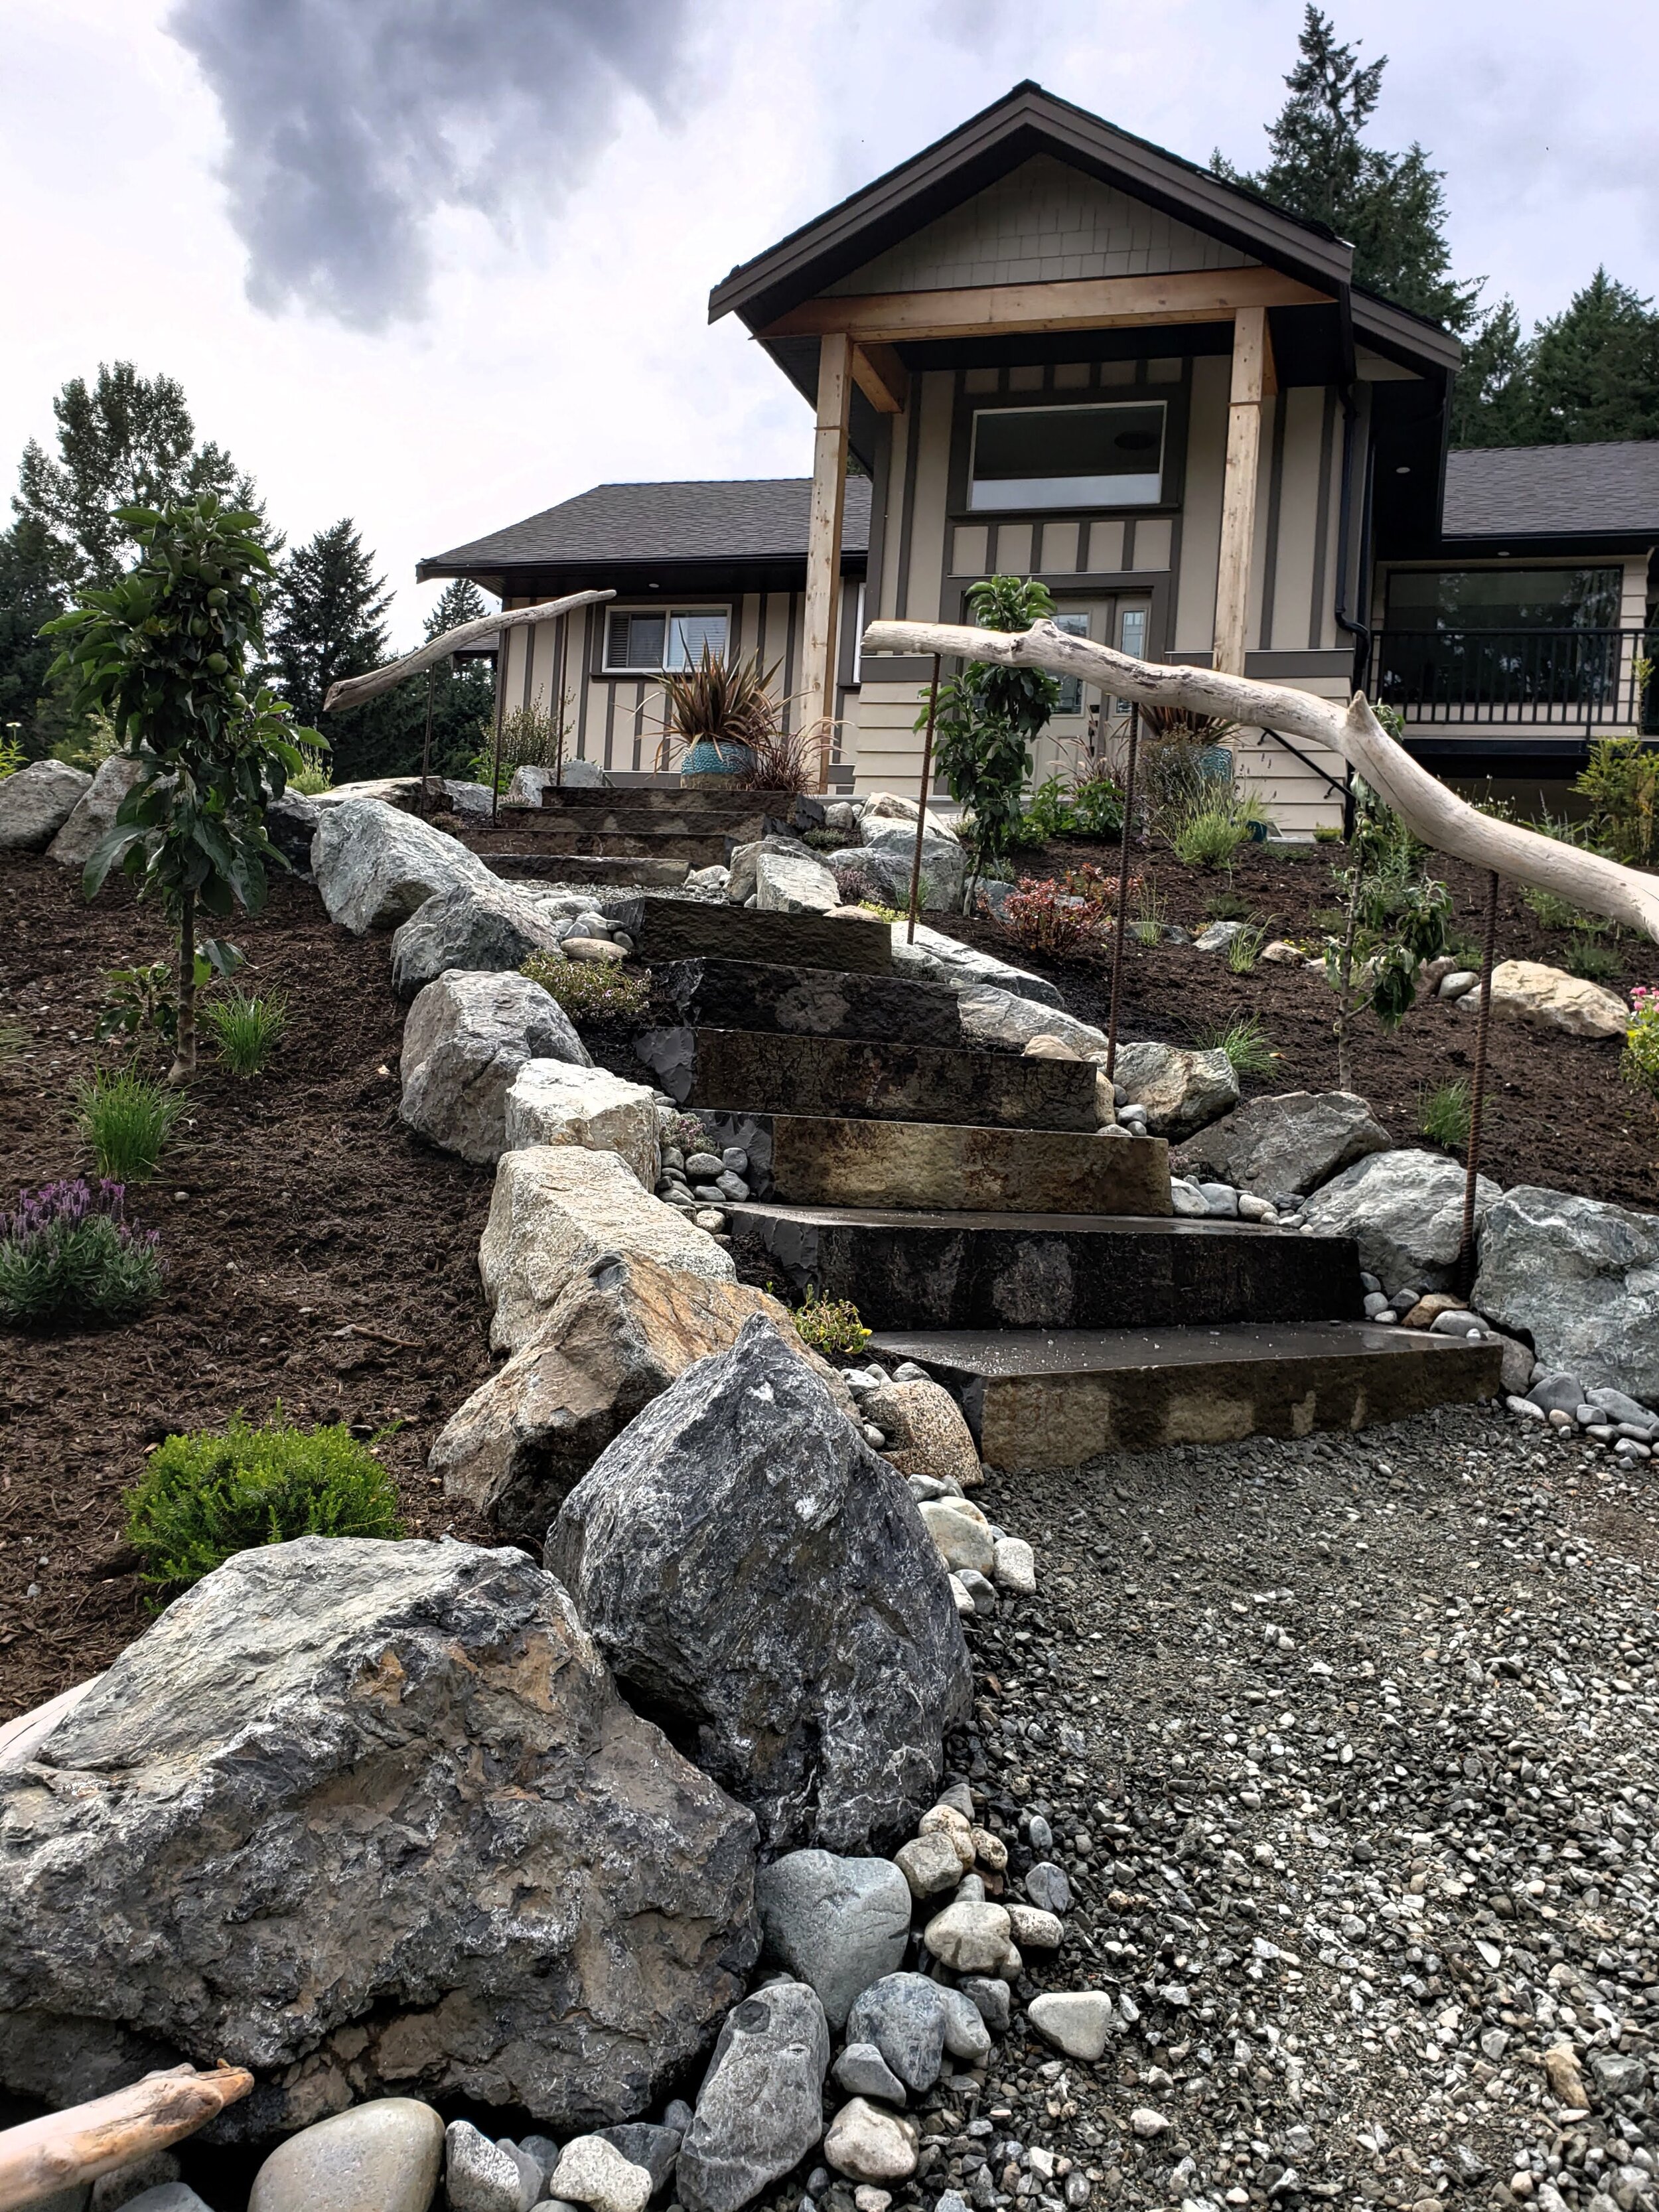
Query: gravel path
x=1349, y=1747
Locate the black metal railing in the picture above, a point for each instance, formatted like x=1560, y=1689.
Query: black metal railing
x=1571, y=679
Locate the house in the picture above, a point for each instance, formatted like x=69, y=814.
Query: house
x=1044, y=346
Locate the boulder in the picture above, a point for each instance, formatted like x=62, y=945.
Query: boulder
x=1180, y=1090
x=1580, y=1278
x=887, y=853
x=465, y=1042
x=1292, y=1142
x=940, y=958
x=480, y=929
x=1079, y=2022
x=839, y=1924
x=370, y=1817
x=1548, y=998
x=888, y=806
x=903, y=2015
x=1406, y=1208
x=375, y=865
x=740, y=878
x=765, y=1581
x=1005, y=1022
x=617, y=1334
x=551, y=1103
x=94, y=811
x=36, y=801
x=794, y=883
x=925, y=1431
x=760, y=2109
x=558, y=1212
x=869, y=2145
x=592, y=2171
x=479, y=2175
x=380, y=2157
x=475, y=802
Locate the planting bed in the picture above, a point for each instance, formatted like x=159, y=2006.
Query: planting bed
x=317, y=1252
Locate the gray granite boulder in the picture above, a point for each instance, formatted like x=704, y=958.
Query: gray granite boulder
x=375, y=865
x=741, y=875
x=1180, y=1090
x=1580, y=1277
x=761, y=2107
x=369, y=1817
x=465, y=1040
x=483, y=928
x=941, y=959
x=94, y=811
x=905, y=2017
x=1292, y=1142
x=1406, y=1209
x=1006, y=1022
x=36, y=801
x=881, y=865
x=839, y=1924
x=794, y=883
x=764, y=1582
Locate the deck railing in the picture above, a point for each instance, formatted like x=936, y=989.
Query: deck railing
x=1586, y=680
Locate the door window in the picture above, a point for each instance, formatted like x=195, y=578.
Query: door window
x=1070, y=701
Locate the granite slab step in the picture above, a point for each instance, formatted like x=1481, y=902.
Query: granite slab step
x=1060, y=1399
x=702, y=848
x=687, y=800
x=681, y=929
x=759, y=995
x=756, y=1072
x=628, y=871
x=1016, y=1271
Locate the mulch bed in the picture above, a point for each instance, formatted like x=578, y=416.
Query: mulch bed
x=317, y=1253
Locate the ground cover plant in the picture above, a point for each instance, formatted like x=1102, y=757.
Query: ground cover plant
x=590, y=991
x=830, y=1326
x=205, y=1497
x=1640, y=1063
x=69, y=1257
x=126, y=1120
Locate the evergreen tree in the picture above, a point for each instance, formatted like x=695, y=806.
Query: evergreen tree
x=29, y=596
x=329, y=618
x=1593, y=371
x=464, y=702
x=1492, y=398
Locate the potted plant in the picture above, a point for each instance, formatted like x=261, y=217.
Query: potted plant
x=718, y=712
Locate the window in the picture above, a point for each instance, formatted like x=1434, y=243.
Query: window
x=1038, y=457
x=1070, y=701
x=641, y=641
x=1506, y=598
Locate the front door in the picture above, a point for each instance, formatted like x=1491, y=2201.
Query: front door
x=1085, y=725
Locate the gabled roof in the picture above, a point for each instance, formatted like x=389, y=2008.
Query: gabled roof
x=629, y=525
x=1604, y=491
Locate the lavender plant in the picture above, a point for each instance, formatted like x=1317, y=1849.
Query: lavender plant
x=70, y=1256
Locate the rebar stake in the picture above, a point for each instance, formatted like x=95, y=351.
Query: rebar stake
x=425, y=749
x=1478, y=1098
x=1122, y=890
x=921, y=810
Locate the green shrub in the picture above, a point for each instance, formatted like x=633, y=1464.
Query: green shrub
x=1621, y=782
x=1596, y=962
x=1245, y=1043
x=1640, y=1063
x=1209, y=838
x=1225, y=904
x=1443, y=1116
x=591, y=992
x=831, y=841
x=831, y=1327
x=206, y=1495
x=126, y=1120
x=245, y=1028
x=70, y=1256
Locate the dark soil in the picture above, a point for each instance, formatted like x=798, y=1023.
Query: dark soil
x=317, y=1253
x=1558, y=1112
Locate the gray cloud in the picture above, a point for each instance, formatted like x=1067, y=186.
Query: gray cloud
x=351, y=122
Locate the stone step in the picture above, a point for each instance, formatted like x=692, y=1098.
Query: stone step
x=681, y=929
x=702, y=848
x=683, y=800
x=1047, y=1271
x=763, y=994
x=1036, y=1400
x=805, y=1159
x=585, y=868
x=749, y=1070
x=626, y=820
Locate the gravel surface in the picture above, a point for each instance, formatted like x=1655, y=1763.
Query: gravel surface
x=1348, y=1750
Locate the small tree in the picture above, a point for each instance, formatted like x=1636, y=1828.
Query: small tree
x=1393, y=918
x=165, y=653
x=987, y=717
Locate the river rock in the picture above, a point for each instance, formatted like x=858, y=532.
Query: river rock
x=970, y=1938
x=927, y=1433
x=379, y=2157
x=962, y=1534
x=760, y=2109
x=592, y=2171
x=36, y=801
x=929, y=1863
x=838, y=1923
x=1291, y=1143
x=903, y=2016
x=1180, y=1090
x=644, y=2144
x=862, y=2071
x=480, y=929
x=465, y=1042
x=479, y=2175
x=868, y=2144
x=94, y=811
x=1076, y=2021
x=552, y=1103
x=756, y=1574
x=363, y=1815
x=1541, y=997
x=967, y=2036
x=375, y=865
x=1580, y=1277
x=1406, y=1209
x=558, y=1211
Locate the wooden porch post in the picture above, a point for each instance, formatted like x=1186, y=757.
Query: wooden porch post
x=823, y=543
x=1252, y=381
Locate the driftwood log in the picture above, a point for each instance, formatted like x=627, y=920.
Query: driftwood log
x=353, y=691
x=1429, y=809
x=65, y=2150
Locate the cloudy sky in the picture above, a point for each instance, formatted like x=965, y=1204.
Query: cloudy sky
x=437, y=263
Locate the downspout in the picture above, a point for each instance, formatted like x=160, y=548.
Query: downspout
x=1346, y=620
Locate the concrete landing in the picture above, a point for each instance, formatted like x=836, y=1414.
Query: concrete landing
x=759, y=995
x=1047, y=1271
x=681, y=929
x=1056, y=1399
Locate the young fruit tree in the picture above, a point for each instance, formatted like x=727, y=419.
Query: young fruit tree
x=987, y=717
x=164, y=653
x=1393, y=919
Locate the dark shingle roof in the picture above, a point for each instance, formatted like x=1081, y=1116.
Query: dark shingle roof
x=1609, y=490
x=748, y=519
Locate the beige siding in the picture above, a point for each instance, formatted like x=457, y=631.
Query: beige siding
x=885, y=750
x=1300, y=521
x=1200, y=526
x=1298, y=799
x=1044, y=221
x=934, y=397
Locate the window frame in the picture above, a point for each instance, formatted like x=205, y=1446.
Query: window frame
x=668, y=610
x=1048, y=404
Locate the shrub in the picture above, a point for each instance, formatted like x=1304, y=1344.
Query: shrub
x=1597, y=963
x=1327, y=833
x=987, y=716
x=205, y=1497
x=589, y=992
x=1228, y=905
x=1640, y=1063
x=1621, y=782
x=1443, y=1116
x=69, y=1256
x=1209, y=835
x=1047, y=918
x=831, y=841
x=126, y=1121
x=831, y=1327
x=1098, y=886
x=245, y=1028
x=1245, y=1043
x=139, y=1004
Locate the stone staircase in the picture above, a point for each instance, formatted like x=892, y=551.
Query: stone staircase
x=961, y=1200
x=629, y=823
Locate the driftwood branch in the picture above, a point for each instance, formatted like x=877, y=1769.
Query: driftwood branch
x=1429, y=809
x=65, y=2150
x=353, y=691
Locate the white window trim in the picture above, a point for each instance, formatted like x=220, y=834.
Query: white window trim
x=1041, y=494
x=667, y=609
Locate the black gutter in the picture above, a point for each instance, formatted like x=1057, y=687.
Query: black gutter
x=1357, y=630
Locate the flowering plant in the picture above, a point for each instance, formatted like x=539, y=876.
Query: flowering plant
x=70, y=1255
x=1048, y=917
x=1640, y=1064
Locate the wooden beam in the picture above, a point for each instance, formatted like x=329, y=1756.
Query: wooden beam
x=1083, y=303
x=353, y=691
x=824, y=544
x=881, y=377
x=1253, y=377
